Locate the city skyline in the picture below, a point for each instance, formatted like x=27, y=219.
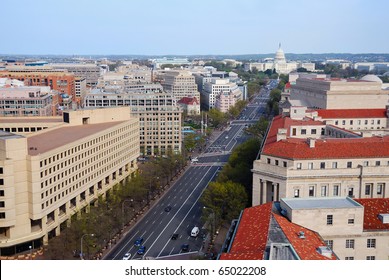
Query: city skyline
x=196, y=28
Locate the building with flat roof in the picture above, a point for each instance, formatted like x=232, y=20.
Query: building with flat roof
x=48, y=176
x=323, y=228
x=89, y=71
x=180, y=83
x=216, y=87
x=158, y=113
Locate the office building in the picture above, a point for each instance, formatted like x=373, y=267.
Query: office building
x=48, y=176
x=180, y=83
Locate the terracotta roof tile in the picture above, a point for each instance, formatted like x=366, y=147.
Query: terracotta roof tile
x=293, y=148
x=372, y=208
x=188, y=100
x=252, y=234
x=306, y=248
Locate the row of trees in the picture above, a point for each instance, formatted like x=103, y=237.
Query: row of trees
x=106, y=217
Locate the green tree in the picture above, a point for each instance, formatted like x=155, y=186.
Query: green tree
x=226, y=199
x=217, y=117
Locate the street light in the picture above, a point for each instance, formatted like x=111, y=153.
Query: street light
x=126, y=200
x=82, y=237
x=30, y=247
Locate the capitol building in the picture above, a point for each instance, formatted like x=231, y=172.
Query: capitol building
x=279, y=64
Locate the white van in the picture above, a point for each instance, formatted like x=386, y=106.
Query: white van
x=194, y=160
x=195, y=232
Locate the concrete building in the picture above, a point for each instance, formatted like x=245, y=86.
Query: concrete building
x=180, y=83
x=216, y=87
x=264, y=233
x=48, y=176
x=158, y=62
x=311, y=229
x=158, y=113
x=333, y=93
x=80, y=88
x=89, y=71
x=225, y=100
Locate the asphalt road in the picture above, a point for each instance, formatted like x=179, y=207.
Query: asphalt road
x=157, y=226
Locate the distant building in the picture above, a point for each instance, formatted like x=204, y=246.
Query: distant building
x=225, y=100
x=189, y=105
x=158, y=62
x=180, y=83
x=90, y=72
x=61, y=170
x=214, y=88
x=279, y=64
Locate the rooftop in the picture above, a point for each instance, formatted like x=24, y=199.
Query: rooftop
x=50, y=140
x=374, y=207
x=352, y=113
x=320, y=203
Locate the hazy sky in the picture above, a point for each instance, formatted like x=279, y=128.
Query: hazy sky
x=159, y=27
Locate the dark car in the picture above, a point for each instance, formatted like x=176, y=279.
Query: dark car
x=139, y=241
x=141, y=250
x=174, y=236
x=168, y=208
x=185, y=247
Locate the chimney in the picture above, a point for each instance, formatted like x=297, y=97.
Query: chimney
x=281, y=134
x=301, y=235
x=311, y=142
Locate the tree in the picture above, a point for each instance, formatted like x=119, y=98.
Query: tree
x=240, y=163
x=226, y=199
x=302, y=69
x=259, y=128
x=217, y=117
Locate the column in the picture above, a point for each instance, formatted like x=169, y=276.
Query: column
x=264, y=193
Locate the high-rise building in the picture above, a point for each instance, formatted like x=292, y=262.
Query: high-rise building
x=180, y=83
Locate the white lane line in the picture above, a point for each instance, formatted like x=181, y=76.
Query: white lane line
x=171, y=251
x=125, y=245
x=180, y=209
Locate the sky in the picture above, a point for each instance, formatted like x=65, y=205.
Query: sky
x=192, y=27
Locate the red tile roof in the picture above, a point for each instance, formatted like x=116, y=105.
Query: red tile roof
x=287, y=85
x=352, y=113
x=293, y=148
x=251, y=237
x=286, y=122
x=372, y=208
x=188, y=100
x=253, y=231
x=305, y=248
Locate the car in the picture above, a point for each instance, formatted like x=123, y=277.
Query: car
x=194, y=160
x=127, y=256
x=141, y=250
x=185, y=247
x=138, y=241
x=168, y=208
x=195, y=231
x=174, y=236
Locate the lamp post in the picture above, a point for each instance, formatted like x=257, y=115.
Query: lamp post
x=30, y=247
x=124, y=201
x=213, y=221
x=82, y=237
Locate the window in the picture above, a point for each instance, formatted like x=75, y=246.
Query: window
x=343, y=122
x=367, y=189
x=350, y=221
x=334, y=165
x=380, y=187
x=365, y=163
x=1, y=182
x=323, y=190
x=349, y=258
x=311, y=190
x=1, y=192
x=284, y=163
x=268, y=161
x=371, y=243
x=329, y=243
x=350, y=243
x=2, y=215
x=297, y=193
x=313, y=131
x=349, y=164
x=303, y=131
x=351, y=122
x=377, y=163
x=299, y=165
x=329, y=219
x=370, y=258
x=322, y=165
x=310, y=165
x=335, y=190
x=276, y=162
x=351, y=192
x=1, y=170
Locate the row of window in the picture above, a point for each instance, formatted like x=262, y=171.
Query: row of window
x=350, y=243
x=336, y=188
x=22, y=129
x=359, y=122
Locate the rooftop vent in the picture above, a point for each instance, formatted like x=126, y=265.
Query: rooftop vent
x=384, y=218
x=301, y=235
x=324, y=251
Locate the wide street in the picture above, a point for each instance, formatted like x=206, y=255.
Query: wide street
x=158, y=225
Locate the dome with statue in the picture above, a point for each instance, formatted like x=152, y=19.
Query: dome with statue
x=280, y=55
